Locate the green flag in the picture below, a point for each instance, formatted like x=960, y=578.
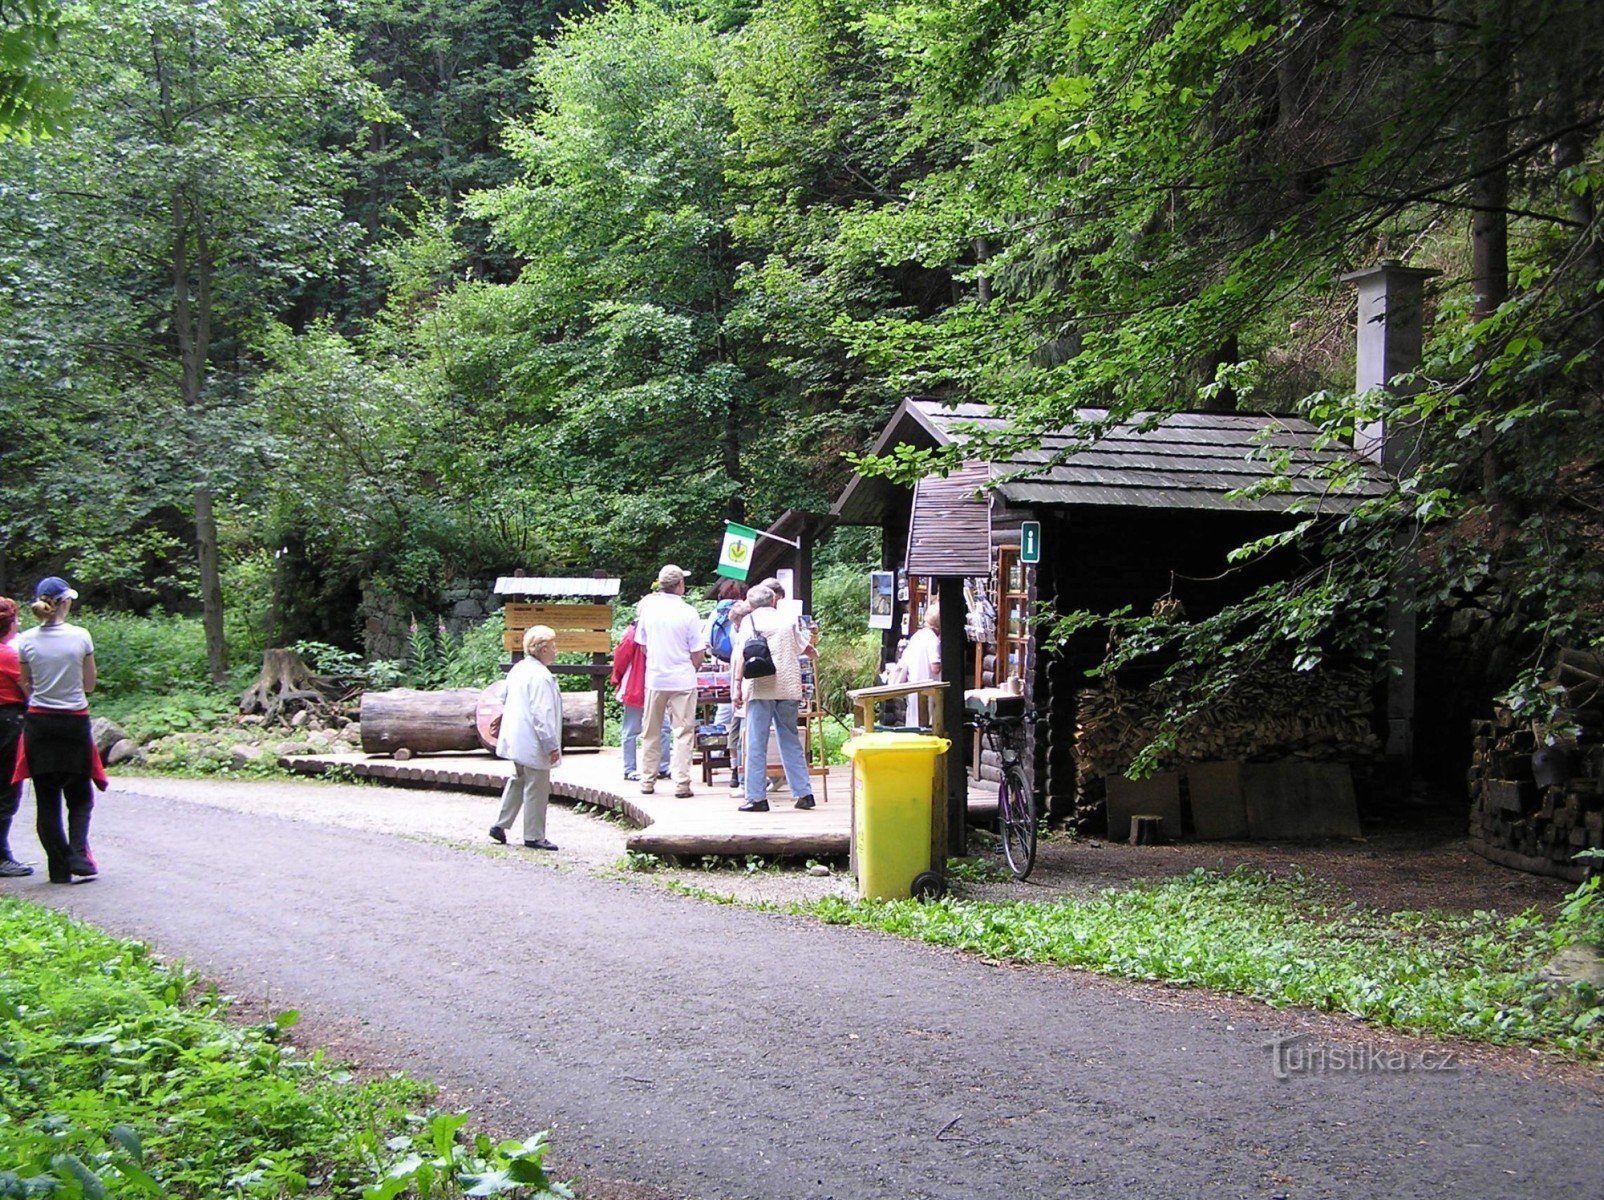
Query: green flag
x=735, y=559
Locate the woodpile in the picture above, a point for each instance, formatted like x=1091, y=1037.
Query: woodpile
x=1537, y=799
x=1319, y=715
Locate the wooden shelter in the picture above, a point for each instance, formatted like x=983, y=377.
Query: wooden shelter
x=1143, y=514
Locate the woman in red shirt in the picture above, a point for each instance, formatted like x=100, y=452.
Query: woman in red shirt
x=13, y=703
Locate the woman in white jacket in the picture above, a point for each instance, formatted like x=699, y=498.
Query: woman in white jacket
x=530, y=735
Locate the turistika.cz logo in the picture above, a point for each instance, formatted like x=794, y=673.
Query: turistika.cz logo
x=1295, y=1055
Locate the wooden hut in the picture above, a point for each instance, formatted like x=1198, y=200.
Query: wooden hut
x=1146, y=513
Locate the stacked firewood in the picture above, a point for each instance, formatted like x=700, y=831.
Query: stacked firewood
x=1269, y=714
x=1537, y=793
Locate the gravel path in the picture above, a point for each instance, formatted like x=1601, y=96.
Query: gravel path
x=714, y=1051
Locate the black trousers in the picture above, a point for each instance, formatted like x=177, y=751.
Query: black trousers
x=10, y=793
x=60, y=755
x=49, y=791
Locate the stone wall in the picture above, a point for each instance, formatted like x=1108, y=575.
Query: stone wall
x=387, y=619
x=1532, y=807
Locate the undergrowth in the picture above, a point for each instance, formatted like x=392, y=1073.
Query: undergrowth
x=1289, y=942
x=121, y=1077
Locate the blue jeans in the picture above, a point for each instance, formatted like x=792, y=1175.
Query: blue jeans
x=725, y=715
x=632, y=723
x=781, y=715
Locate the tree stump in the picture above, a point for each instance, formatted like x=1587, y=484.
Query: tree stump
x=284, y=683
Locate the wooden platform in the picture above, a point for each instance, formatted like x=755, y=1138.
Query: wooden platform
x=706, y=823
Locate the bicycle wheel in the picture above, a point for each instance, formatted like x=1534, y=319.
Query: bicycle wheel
x=1016, y=820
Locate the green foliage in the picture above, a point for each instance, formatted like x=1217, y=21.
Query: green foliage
x=31, y=102
x=124, y=1079
x=1283, y=941
x=146, y=656
x=849, y=652
x=435, y=1161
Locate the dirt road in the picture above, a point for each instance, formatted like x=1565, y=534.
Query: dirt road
x=718, y=1052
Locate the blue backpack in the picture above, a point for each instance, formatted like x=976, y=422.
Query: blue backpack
x=718, y=631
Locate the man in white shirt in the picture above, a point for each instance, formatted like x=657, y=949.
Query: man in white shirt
x=671, y=631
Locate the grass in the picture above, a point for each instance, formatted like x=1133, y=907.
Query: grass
x=1288, y=942
x=122, y=1077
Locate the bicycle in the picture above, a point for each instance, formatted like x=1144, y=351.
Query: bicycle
x=1016, y=808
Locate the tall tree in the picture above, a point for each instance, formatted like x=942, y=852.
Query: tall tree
x=194, y=189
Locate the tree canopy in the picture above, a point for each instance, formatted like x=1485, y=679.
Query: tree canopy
x=528, y=285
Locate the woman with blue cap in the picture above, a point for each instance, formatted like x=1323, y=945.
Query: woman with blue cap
x=58, y=749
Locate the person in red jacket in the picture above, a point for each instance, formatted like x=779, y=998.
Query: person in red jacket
x=629, y=678
x=13, y=704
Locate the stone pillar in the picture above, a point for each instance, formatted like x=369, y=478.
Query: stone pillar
x=1390, y=340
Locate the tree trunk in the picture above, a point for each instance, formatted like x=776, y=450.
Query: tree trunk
x=1489, y=198
x=211, y=585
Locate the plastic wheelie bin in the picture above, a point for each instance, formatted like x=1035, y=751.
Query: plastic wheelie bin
x=893, y=779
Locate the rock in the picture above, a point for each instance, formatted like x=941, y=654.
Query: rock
x=299, y=719
x=107, y=733
x=251, y=719
x=124, y=750
x=247, y=753
x=819, y=869
x=1577, y=963
x=294, y=748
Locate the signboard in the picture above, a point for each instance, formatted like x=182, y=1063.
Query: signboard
x=882, y=586
x=1030, y=542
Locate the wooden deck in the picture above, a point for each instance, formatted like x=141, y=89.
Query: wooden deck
x=706, y=823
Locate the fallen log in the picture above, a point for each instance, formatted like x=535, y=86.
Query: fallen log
x=582, y=729
x=419, y=722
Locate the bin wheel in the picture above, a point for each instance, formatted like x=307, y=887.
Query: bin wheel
x=928, y=885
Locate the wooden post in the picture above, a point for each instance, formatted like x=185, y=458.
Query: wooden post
x=954, y=669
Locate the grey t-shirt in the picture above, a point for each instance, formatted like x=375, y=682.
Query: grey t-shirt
x=54, y=656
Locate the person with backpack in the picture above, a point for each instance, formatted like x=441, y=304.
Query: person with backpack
x=770, y=652
x=723, y=624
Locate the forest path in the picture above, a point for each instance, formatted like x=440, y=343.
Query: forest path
x=715, y=1051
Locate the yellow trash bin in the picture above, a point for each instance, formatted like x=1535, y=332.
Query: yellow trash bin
x=893, y=776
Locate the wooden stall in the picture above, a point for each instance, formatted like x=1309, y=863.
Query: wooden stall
x=1144, y=514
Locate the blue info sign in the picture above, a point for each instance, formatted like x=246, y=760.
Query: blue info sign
x=1030, y=542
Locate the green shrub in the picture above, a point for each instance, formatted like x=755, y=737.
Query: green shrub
x=849, y=651
x=146, y=655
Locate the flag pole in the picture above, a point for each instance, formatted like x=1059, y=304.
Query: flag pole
x=772, y=536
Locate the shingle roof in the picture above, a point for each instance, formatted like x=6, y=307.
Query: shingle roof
x=950, y=529
x=1187, y=460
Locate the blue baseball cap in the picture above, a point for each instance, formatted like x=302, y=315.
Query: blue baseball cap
x=53, y=587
